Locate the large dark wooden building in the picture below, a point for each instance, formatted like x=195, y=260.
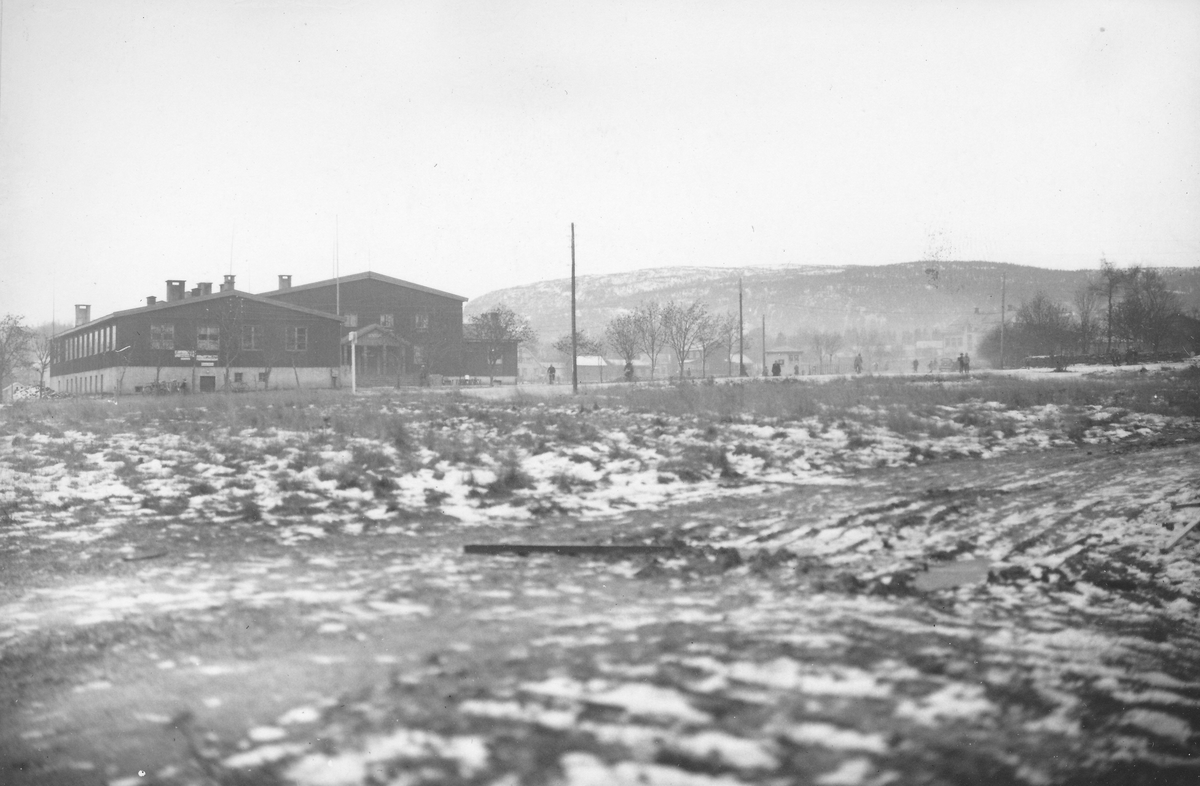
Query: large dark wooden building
x=199, y=338
x=404, y=329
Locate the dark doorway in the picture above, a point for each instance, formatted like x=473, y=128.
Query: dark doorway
x=208, y=384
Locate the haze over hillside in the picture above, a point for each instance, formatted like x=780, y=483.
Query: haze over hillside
x=892, y=298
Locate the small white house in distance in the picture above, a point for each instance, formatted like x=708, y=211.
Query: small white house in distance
x=790, y=358
x=594, y=368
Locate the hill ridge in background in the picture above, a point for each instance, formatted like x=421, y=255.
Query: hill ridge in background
x=893, y=298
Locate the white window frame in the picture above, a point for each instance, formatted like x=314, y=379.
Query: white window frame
x=297, y=338
x=205, y=337
x=157, y=333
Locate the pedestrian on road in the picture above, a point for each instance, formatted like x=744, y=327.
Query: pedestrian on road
x=550, y=374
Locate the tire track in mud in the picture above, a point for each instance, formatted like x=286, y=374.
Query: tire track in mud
x=1073, y=659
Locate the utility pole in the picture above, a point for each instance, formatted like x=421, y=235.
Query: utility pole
x=741, y=334
x=764, y=344
x=574, y=349
x=337, y=275
x=1003, y=294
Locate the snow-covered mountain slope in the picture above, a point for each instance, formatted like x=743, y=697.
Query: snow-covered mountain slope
x=893, y=298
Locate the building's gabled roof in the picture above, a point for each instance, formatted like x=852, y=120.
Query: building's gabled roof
x=368, y=276
x=169, y=304
x=376, y=333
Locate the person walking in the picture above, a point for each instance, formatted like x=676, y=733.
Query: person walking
x=550, y=373
x=628, y=370
x=858, y=364
x=966, y=363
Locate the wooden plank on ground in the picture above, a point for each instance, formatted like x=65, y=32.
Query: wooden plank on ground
x=564, y=549
x=1180, y=535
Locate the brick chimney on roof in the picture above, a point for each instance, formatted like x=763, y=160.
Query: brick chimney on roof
x=285, y=282
x=83, y=315
x=205, y=288
x=151, y=300
x=176, y=287
x=227, y=285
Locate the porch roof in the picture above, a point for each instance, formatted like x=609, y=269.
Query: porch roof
x=376, y=335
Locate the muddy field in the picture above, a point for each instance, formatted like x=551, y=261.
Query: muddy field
x=899, y=582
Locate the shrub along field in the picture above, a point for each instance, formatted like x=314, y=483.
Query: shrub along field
x=873, y=580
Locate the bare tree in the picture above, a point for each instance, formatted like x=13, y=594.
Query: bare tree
x=228, y=315
x=1046, y=324
x=272, y=344
x=15, y=341
x=682, y=327
x=725, y=326
x=833, y=344
x=43, y=346
x=584, y=343
x=1086, y=301
x=818, y=340
x=711, y=338
x=498, y=328
x=622, y=336
x=1149, y=307
x=651, y=332
x=1110, y=285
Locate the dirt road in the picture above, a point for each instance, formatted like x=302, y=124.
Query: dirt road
x=1064, y=648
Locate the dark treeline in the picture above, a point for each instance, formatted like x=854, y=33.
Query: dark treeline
x=1119, y=311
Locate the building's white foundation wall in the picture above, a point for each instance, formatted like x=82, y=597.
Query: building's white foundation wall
x=116, y=380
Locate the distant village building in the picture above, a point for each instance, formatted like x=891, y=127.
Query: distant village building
x=197, y=340
x=790, y=359
x=595, y=368
x=404, y=329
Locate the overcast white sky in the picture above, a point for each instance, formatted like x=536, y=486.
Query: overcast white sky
x=453, y=143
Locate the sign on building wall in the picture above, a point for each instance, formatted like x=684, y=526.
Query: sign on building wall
x=184, y=354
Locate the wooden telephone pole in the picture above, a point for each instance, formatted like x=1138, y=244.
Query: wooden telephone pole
x=574, y=348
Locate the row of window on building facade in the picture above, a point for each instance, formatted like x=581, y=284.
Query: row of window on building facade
x=91, y=343
x=208, y=337
x=92, y=383
x=420, y=320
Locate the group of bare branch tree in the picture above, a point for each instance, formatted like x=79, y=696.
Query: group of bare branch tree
x=1131, y=307
x=688, y=329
